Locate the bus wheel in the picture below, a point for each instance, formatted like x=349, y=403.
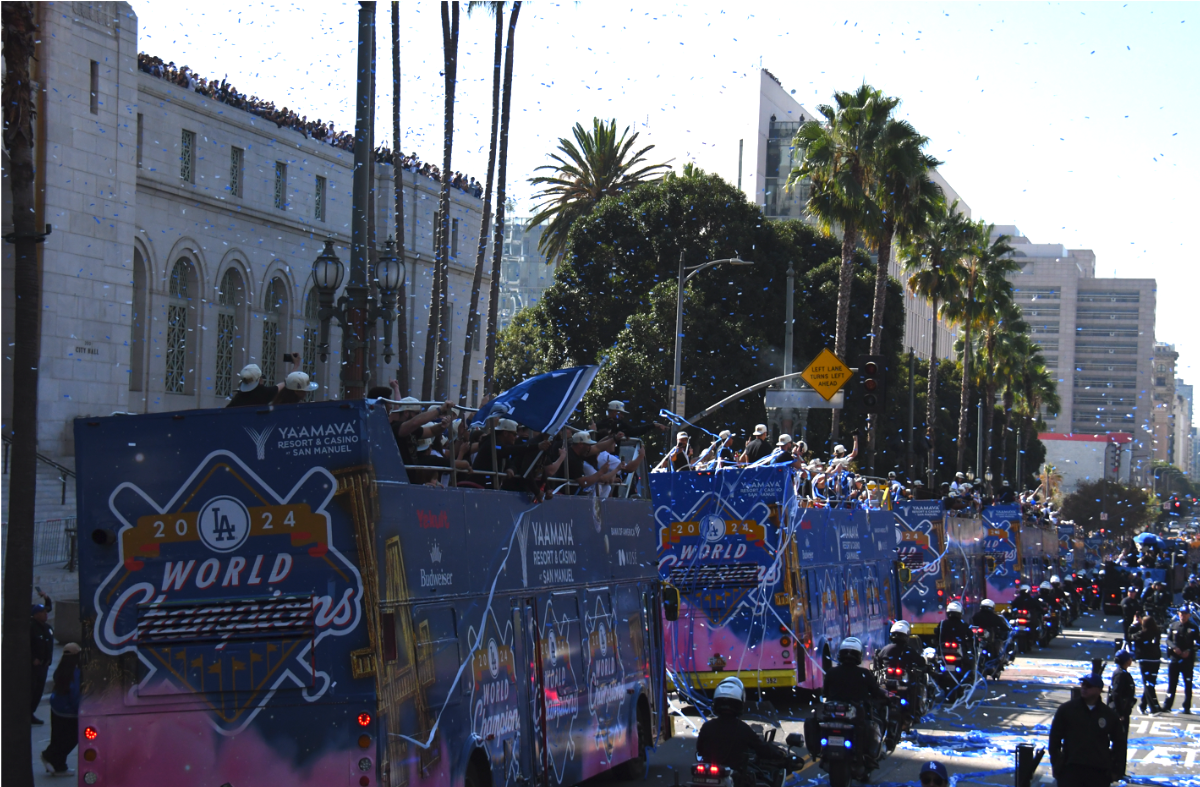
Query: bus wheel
x=636, y=768
x=476, y=776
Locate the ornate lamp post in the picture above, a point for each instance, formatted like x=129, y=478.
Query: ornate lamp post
x=354, y=310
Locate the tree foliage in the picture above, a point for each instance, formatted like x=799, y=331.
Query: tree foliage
x=1127, y=507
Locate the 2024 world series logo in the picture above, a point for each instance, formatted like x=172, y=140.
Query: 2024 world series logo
x=225, y=590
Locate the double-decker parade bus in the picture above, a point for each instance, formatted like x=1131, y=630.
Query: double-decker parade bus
x=767, y=586
x=943, y=558
x=267, y=601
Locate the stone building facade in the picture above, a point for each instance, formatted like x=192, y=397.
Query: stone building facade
x=183, y=235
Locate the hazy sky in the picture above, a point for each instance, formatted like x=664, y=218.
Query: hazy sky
x=1077, y=122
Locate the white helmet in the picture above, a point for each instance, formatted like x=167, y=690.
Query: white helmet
x=1026, y=588
x=953, y=607
x=1045, y=586
x=851, y=650
x=730, y=696
x=901, y=627
x=1054, y=580
x=987, y=603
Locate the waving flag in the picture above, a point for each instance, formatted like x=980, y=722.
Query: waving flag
x=543, y=402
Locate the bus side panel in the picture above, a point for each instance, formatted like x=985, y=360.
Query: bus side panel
x=1000, y=552
x=223, y=596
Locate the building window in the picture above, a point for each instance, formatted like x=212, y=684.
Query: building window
x=308, y=353
x=140, y=136
x=95, y=99
x=319, y=200
x=237, y=158
x=275, y=306
x=474, y=393
x=453, y=237
x=228, y=301
x=187, y=156
x=177, y=327
x=137, y=322
x=281, y=185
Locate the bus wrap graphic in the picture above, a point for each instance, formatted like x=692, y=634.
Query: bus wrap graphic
x=920, y=551
x=211, y=591
x=1000, y=548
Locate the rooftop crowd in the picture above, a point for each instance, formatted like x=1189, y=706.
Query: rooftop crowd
x=318, y=129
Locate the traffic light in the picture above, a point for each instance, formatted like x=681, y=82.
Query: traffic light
x=872, y=382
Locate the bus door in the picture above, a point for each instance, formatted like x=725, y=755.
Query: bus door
x=796, y=600
x=653, y=657
x=528, y=641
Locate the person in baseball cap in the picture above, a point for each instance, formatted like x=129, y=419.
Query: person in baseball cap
x=616, y=423
x=758, y=446
x=252, y=391
x=295, y=389
x=680, y=457
x=934, y=774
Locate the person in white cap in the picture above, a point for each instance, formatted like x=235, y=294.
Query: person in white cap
x=616, y=423
x=295, y=389
x=957, y=484
x=719, y=453
x=580, y=464
x=410, y=425
x=841, y=460
x=678, y=458
x=758, y=446
x=252, y=391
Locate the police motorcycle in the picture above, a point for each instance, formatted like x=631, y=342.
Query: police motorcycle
x=910, y=689
x=956, y=650
x=1024, y=615
x=847, y=738
x=1067, y=600
x=1051, y=627
x=729, y=700
x=994, y=653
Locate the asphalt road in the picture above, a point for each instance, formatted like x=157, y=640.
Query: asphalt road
x=977, y=744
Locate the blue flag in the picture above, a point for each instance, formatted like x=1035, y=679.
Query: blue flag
x=543, y=402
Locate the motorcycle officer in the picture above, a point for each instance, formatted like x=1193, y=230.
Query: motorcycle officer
x=955, y=629
x=987, y=619
x=900, y=648
x=1050, y=604
x=848, y=682
x=727, y=740
x=1062, y=596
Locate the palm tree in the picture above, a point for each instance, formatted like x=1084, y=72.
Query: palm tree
x=489, y=359
x=1000, y=334
x=981, y=281
x=597, y=165
x=1038, y=390
x=1012, y=354
x=20, y=34
x=402, y=359
x=932, y=259
x=441, y=316
x=838, y=158
x=905, y=194
x=497, y=11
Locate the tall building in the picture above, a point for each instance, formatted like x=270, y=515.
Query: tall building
x=1182, y=450
x=524, y=271
x=1098, y=339
x=1163, y=382
x=184, y=232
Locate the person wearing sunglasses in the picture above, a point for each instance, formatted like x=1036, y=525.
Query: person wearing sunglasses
x=934, y=774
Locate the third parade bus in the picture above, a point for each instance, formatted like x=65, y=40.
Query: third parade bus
x=266, y=600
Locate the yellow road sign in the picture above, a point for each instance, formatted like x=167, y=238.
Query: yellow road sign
x=826, y=374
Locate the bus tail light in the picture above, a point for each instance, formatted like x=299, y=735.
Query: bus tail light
x=90, y=733
x=90, y=755
x=785, y=641
x=364, y=781
x=364, y=719
x=364, y=741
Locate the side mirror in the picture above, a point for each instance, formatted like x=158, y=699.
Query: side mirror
x=795, y=739
x=670, y=603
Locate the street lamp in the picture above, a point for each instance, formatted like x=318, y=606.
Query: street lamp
x=327, y=273
x=685, y=275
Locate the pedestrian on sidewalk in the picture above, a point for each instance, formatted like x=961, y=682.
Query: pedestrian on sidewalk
x=41, y=643
x=1181, y=650
x=64, y=713
x=1082, y=738
x=1122, y=696
x=1146, y=636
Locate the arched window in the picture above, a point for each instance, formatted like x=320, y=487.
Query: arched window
x=312, y=327
x=137, y=325
x=229, y=333
x=181, y=289
x=275, y=307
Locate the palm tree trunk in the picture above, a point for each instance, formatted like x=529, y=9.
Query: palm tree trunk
x=431, y=334
x=1008, y=408
x=931, y=395
x=15, y=667
x=989, y=418
x=845, y=280
x=402, y=358
x=964, y=399
x=881, y=280
x=445, y=313
x=481, y=253
x=489, y=367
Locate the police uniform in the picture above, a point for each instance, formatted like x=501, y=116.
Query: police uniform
x=1082, y=739
x=1182, y=636
x=1122, y=696
x=1130, y=606
x=1145, y=637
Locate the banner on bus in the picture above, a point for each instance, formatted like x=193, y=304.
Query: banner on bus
x=921, y=526
x=1000, y=550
